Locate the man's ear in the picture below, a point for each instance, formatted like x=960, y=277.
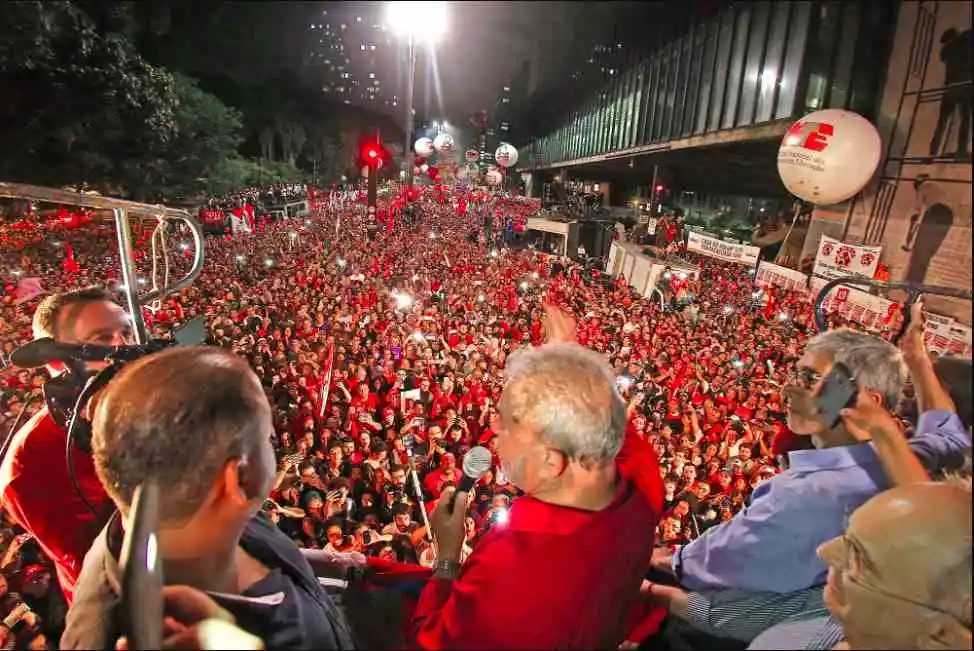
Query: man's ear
x=945, y=632
x=555, y=462
x=875, y=397
x=235, y=483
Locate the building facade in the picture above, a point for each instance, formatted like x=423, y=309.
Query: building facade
x=353, y=57
x=918, y=208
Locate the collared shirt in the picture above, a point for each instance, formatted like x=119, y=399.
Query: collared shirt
x=744, y=615
x=770, y=545
x=287, y=609
x=36, y=490
x=808, y=635
x=552, y=578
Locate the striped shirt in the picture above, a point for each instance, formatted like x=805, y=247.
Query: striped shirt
x=819, y=633
x=744, y=615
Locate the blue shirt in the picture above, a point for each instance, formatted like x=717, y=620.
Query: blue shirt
x=770, y=545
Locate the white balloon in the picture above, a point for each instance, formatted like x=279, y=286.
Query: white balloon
x=423, y=147
x=444, y=144
x=506, y=155
x=494, y=177
x=424, y=168
x=828, y=156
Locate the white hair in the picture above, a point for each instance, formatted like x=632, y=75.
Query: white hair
x=875, y=363
x=567, y=395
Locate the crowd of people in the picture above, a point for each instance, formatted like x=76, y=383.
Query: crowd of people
x=382, y=350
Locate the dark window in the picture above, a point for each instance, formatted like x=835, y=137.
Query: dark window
x=791, y=72
x=752, y=66
x=842, y=79
x=664, y=75
x=736, y=67
x=717, y=98
x=682, y=83
x=821, y=50
x=771, y=71
x=693, y=87
x=707, y=76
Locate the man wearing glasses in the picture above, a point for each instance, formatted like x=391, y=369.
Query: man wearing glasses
x=760, y=569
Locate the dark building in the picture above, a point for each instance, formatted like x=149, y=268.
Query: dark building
x=353, y=57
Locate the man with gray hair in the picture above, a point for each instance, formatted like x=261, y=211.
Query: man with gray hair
x=566, y=568
x=760, y=568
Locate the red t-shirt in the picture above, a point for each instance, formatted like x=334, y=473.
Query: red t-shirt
x=36, y=490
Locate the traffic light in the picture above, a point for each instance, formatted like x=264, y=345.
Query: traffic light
x=372, y=154
x=659, y=188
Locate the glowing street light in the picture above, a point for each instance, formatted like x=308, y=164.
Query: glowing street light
x=423, y=22
x=268, y=262
x=403, y=301
x=184, y=246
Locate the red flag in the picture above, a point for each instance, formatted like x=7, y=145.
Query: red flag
x=326, y=381
x=70, y=264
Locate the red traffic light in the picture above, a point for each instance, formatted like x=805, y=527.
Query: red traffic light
x=659, y=188
x=372, y=153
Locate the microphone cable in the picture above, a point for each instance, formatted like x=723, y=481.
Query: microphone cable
x=94, y=384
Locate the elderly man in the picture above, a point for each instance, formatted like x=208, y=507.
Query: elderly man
x=565, y=569
x=760, y=568
x=883, y=595
x=198, y=423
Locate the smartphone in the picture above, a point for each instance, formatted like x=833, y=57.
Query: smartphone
x=141, y=599
x=838, y=391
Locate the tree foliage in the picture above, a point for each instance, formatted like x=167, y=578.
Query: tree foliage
x=81, y=106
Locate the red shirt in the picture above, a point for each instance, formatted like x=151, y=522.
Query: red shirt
x=576, y=574
x=35, y=489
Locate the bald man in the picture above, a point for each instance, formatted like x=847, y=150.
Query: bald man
x=900, y=577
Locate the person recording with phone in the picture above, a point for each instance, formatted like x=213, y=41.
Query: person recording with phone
x=35, y=483
x=197, y=422
x=760, y=569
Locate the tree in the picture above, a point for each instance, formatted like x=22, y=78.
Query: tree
x=81, y=106
x=266, y=139
x=207, y=134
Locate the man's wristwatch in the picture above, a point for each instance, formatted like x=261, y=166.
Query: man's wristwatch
x=446, y=569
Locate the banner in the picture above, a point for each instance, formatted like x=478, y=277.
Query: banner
x=711, y=246
x=873, y=312
x=942, y=335
x=836, y=259
x=770, y=274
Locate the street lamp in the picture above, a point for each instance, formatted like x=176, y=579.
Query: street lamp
x=414, y=22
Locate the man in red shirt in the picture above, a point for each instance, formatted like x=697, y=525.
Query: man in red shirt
x=577, y=545
x=35, y=488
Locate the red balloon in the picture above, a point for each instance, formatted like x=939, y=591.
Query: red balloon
x=432, y=172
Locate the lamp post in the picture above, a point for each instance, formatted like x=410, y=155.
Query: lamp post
x=416, y=23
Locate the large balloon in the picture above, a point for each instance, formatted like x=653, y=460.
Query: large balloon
x=506, y=155
x=423, y=147
x=494, y=177
x=444, y=144
x=432, y=172
x=472, y=155
x=828, y=156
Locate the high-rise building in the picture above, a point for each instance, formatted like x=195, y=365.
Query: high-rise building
x=353, y=57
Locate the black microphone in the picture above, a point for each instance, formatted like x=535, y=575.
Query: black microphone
x=41, y=352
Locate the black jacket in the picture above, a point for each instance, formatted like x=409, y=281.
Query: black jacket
x=288, y=609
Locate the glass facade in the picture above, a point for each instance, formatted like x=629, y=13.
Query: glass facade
x=757, y=62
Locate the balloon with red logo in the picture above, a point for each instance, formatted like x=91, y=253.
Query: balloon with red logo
x=423, y=147
x=828, y=156
x=472, y=155
x=506, y=155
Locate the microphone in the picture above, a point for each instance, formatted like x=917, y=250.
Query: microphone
x=476, y=462
x=41, y=352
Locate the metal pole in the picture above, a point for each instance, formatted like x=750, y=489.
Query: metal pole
x=652, y=192
x=128, y=275
x=410, y=80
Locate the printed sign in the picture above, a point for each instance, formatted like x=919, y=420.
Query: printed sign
x=721, y=250
x=837, y=259
x=770, y=274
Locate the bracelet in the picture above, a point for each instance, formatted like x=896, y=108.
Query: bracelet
x=446, y=569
